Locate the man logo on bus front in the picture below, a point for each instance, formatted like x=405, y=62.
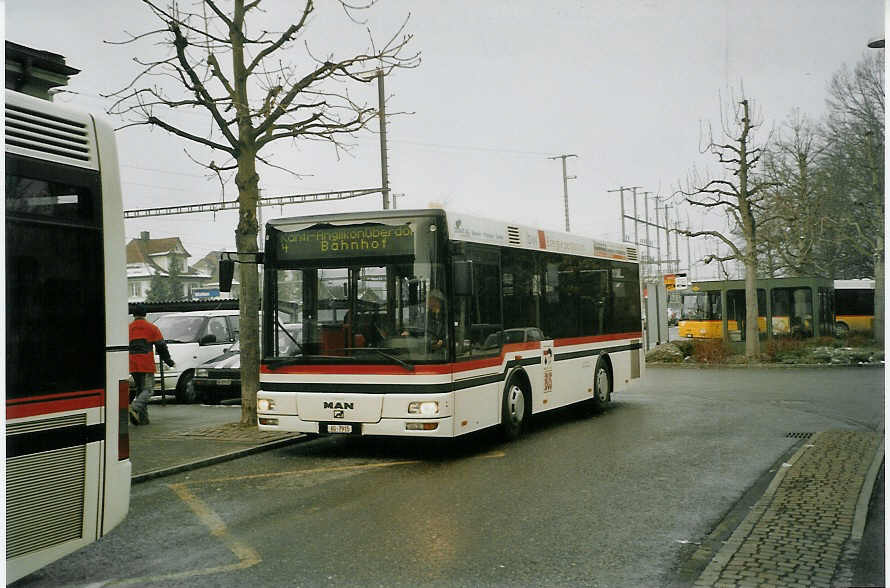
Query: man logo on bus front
x=339, y=414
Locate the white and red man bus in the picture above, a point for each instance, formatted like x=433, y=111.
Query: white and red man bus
x=432, y=324
x=67, y=450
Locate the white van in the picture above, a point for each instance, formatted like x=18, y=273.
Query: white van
x=192, y=338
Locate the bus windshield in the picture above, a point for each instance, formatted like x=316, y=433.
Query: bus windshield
x=701, y=306
x=357, y=306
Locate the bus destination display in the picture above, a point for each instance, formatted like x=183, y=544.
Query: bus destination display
x=355, y=241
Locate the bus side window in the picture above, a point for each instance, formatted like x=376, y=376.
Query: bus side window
x=477, y=317
x=522, y=291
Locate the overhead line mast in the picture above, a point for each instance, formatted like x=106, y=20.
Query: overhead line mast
x=233, y=204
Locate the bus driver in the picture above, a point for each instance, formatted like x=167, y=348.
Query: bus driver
x=435, y=326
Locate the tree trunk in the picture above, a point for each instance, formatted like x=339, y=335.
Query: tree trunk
x=246, y=242
x=752, y=326
x=879, y=291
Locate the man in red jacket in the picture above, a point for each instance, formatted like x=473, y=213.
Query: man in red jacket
x=143, y=335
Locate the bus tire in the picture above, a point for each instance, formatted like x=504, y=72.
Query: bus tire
x=185, y=388
x=515, y=408
x=602, y=386
x=841, y=329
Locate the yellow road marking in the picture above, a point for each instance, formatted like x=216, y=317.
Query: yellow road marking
x=322, y=470
x=493, y=454
x=364, y=466
x=247, y=556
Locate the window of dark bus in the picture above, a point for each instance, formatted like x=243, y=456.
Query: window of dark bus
x=859, y=302
x=736, y=310
x=701, y=306
x=792, y=311
x=55, y=290
x=826, y=311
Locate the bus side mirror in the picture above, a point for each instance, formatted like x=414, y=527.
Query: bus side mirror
x=463, y=278
x=226, y=273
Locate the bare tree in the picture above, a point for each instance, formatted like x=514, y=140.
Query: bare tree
x=739, y=194
x=798, y=229
x=855, y=160
x=240, y=77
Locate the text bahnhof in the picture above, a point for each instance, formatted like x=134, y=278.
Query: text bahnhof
x=352, y=239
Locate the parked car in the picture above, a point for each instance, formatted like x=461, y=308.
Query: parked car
x=220, y=378
x=193, y=338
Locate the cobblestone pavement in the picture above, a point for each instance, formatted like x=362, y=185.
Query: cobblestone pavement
x=807, y=520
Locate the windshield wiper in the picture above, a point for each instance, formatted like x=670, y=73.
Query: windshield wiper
x=380, y=351
x=289, y=336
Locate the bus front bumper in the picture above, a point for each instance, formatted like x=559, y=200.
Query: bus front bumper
x=426, y=427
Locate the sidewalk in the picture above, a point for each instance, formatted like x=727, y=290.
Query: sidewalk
x=807, y=528
x=183, y=437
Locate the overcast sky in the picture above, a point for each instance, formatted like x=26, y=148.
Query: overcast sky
x=503, y=85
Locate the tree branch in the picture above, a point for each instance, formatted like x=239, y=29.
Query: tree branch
x=180, y=43
x=284, y=38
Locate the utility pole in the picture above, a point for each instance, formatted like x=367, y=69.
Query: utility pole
x=621, y=189
x=646, y=261
x=565, y=183
x=636, y=222
x=381, y=110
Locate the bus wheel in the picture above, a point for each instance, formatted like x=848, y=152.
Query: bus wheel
x=841, y=329
x=514, y=413
x=602, y=386
x=185, y=388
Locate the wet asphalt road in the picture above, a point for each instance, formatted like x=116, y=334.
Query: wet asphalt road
x=606, y=500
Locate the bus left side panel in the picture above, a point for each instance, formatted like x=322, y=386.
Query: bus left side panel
x=56, y=384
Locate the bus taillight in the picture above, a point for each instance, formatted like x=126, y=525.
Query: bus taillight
x=123, y=430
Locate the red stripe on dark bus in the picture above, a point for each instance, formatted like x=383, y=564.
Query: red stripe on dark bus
x=17, y=408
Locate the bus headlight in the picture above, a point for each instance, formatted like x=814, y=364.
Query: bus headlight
x=427, y=407
x=265, y=404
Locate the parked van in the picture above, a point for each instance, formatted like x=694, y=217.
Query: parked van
x=193, y=338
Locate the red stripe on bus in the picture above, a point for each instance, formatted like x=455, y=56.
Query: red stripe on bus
x=359, y=370
x=389, y=370
x=596, y=339
x=440, y=369
x=17, y=408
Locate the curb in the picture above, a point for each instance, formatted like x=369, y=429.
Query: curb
x=738, y=536
x=769, y=366
x=154, y=474
x=865, y=493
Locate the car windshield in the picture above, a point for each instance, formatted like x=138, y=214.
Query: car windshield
x=180, y=329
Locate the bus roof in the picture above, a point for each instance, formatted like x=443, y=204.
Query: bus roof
x=464, y=227
x=860, y=284
x=45, y=130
